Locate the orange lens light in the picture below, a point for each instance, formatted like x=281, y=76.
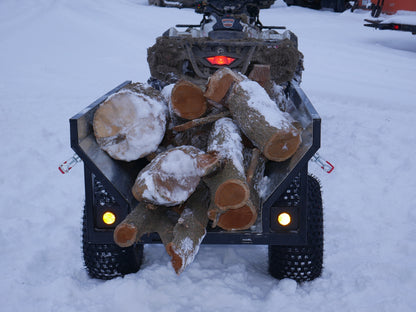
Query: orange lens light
x=109, y=218
x=220, y=60
x=284, y=219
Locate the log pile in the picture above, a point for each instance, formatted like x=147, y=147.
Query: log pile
x=207, y=147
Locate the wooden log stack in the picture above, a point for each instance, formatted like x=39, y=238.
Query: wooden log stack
x=207, y=147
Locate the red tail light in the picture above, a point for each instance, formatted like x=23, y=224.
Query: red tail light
x=396, y=27
x=220, y=60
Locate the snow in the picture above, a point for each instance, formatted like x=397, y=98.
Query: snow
x=171, y=177
x=260, y=102
x=179, y=164
x=228, y=145
x=141, y=122
x=57, y=57
x=401, y=17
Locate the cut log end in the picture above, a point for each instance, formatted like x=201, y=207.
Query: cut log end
x=188, y=100
x=219, y=84
x=231, y=194
x=208, y=162
x=238, y=219
x=176, y=260
x=282, y=147
x=125, y=234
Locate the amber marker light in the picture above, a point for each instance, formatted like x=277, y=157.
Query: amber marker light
x=109, y=218
x=284, y=219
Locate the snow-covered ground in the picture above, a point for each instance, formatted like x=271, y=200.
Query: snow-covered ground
x=56, y=57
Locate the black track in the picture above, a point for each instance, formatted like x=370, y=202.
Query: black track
x=302, y=263
x=107, y=261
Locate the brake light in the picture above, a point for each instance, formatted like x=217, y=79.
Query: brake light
x=220, y=60
x=396, y=27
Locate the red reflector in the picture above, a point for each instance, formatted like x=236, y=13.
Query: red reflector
x=220, y=60
x=396, y=27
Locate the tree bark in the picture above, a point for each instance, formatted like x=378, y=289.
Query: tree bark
x=219, y=84
x=228, y=186
x=143, y=220
x=261, y=74
x=200, y=121
x=171, y=177
x=187, y=100
x=131, y=123
x=267, y=128
x=190, y=230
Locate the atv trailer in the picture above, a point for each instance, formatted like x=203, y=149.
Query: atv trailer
x=290, y=220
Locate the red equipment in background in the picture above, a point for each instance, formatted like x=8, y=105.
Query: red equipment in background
x=384, y=6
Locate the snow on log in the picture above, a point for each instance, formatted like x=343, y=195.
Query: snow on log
x=171, y=177
x=228, y=186
x=219, y=84
x=262, y=122
x=131, y=123
x=187, y=100
x=190, y=229
x=142, y=220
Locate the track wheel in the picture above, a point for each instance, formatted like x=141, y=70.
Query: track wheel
x=107, y=261
x=302, y=263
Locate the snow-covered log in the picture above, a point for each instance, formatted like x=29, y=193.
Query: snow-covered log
x=262, y=122
x=219, y=84
x=131, y=123
x=228, y=186
x=190, y=229
x=171, y=177
x=187, y=100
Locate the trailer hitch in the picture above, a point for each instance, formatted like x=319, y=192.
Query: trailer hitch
x=69, y=164
x=324, y=164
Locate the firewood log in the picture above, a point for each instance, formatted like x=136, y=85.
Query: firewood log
x=244, y=217
x=171, y=177
x=261, y=74
x=195, y=136
x=190, y=229
x=142, y=220
x=262, y=122
x=187, y=100
x=228, y=186
x=200, y=121
x=220, y=82
x=131, y=123
x=235, y=219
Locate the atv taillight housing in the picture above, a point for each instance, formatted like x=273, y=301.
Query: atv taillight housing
x=220, y=60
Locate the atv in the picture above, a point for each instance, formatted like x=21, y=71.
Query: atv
x=291, y=218
x=262, y=4
x=230, y=34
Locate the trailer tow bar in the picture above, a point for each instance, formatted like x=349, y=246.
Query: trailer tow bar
x=69, y=164
x=324, y=164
